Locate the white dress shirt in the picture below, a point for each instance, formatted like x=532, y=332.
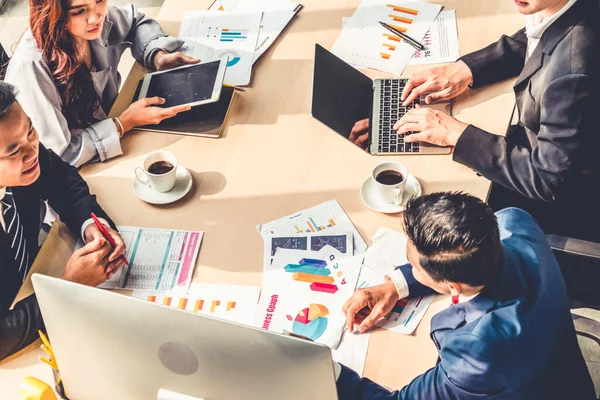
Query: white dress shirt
x=536, y=25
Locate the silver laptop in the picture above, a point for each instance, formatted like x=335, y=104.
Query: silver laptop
x=342, y=96
x=111, y=346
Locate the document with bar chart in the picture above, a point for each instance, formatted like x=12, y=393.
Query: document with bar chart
x=365, y=43
x=230, y=302
x=303, y=293
x=326, y=218
x=159, y=259
x=212, y=35
x=307, y=241
x=441, y=41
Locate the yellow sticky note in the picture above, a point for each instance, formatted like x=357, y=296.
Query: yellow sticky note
x=33, y=389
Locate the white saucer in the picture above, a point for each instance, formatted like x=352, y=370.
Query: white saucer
x=181, y=188
x=373, y=201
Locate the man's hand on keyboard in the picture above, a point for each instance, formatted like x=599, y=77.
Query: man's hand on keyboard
x=430, y=126
x=441, y=83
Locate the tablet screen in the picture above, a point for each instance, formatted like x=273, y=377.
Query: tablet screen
x=185, y=85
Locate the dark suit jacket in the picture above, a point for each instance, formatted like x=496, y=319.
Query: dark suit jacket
x=69, y=195
x=515, y=340
x=552, y=154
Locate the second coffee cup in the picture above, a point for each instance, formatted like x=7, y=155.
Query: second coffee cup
x=159, y=171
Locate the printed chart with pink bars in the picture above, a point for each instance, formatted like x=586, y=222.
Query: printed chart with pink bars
x=160, y=259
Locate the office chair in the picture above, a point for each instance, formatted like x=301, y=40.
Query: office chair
x=579, y=261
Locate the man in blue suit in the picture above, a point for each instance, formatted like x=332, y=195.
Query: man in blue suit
x=508, y=333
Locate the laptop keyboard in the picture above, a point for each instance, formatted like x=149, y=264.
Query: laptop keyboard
x=391, y=111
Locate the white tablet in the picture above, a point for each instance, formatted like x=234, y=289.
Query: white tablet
x=187, y=85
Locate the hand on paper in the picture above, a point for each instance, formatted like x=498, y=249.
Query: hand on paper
x=145, y=112
x=113, y=262
x=87, y=265
x=442, y=83
x=366, y=306
x=360, y=134
x=163, y=60
x=430, y=126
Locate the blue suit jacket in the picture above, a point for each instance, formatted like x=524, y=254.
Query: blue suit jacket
x=515, y=340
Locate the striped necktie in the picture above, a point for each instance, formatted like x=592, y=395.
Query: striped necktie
x=15, y=234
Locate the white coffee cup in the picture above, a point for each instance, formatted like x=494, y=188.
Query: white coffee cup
x=159, y=182
x=390, y=192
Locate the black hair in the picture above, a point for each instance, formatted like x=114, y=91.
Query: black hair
x=8, y=96
x=456, y=236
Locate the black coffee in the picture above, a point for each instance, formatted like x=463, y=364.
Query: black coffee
x=389, y=177
x=160, y=167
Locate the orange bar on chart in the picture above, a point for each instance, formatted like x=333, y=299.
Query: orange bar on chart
x=391, y=37
x=399, y=28
x=182, y=303
x=389, y=46
x=403, y=9
x=225, y=30
x=332, y=222
x=401, y=19
x=385, y=57
x=304, y=277
x=166, y=301
x=230, y=305
x=199, y=305
x=152, y=299
x=214, y=305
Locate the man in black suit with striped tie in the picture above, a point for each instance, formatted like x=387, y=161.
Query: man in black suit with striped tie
x=30, y=175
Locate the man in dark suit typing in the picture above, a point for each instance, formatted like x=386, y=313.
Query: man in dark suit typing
x=30, y=175
x=548, y=163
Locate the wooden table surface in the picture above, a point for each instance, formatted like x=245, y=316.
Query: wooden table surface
x=274, y=159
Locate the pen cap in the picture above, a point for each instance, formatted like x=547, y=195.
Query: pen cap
x=33, y=389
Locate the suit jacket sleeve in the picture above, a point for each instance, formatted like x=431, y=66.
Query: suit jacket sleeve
x=144, y=33
x=548, y=170
x=468, y=370
x=67, y=192
x=415, y=289
x=498, y=61
x=19, y=326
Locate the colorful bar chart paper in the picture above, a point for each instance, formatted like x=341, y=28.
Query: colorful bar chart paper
x=303, y=277
x=323, y=287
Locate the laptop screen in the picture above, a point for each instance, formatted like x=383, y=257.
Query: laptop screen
x=342, y=96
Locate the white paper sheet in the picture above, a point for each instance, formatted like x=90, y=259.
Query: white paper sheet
x=211, y=35
x=306, y=298
x=342, y=242
x=352, y=351
x=365, y=43
x=277, y=14
x=388, y=250
x=441, y=41
x=230, y=302
x=326, y=217
x=160, y=259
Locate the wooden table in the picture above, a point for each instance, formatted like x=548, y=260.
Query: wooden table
x=275, y=159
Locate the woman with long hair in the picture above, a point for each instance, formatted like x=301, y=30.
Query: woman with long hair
x=65, y=70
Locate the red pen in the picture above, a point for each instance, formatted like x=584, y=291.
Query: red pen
x=107, y=236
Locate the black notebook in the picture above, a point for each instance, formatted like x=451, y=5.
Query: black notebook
x=205, y=120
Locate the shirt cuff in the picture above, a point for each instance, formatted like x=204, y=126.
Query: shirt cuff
x=400, y=281
x=168, y=44
x=337, y=370
x=90, y=221
x=106, y=139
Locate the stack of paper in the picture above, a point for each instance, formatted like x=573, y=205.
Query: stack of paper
x=211, y=35
x=277, y=14
x=365, y=43
x=303, y=293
